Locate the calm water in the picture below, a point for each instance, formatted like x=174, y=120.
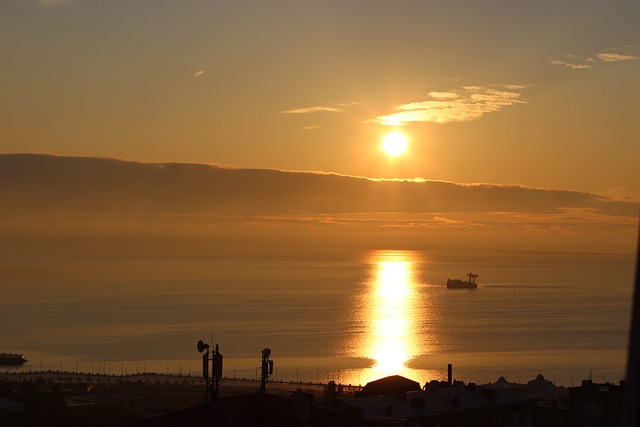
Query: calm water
x=349, y=317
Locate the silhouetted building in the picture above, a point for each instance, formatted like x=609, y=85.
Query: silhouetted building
x=539, y=386
x=450, y=405
x=389, y=385
x=596, y=404
x=258, y=409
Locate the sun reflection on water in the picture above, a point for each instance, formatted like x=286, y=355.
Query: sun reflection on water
x=390, y=311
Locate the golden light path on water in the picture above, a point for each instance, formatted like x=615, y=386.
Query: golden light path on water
x=390, y=311
x=392, y=307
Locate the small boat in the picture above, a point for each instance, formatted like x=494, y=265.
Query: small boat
x=12, y=359
x=463, y=284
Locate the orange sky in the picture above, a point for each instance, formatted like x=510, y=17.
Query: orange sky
x=541, y=94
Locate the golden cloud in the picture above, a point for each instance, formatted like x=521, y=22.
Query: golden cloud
x=579, y=63
x=469, y=103
x=571, y=65
x=615, y=57
x=314, y=109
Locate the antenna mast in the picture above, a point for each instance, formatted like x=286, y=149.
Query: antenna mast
x=267, y=370
x=211, y=387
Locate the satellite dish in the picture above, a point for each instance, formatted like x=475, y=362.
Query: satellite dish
x=202, y=346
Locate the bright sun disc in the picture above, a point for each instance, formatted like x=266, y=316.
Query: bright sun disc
x=394, y=144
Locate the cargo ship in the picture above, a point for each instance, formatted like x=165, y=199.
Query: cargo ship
x=463, y=284
x=12, y=359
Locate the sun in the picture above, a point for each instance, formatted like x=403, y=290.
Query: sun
x=394, y=144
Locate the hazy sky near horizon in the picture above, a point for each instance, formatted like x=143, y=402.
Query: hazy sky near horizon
x=543, y=94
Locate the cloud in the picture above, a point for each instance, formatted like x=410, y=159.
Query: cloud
x=448, y=221
x=311, y=127
x=615, y=57
x=516, y=87
x=469, y=103
x=581, y=63
x=571, y=65
x=444, y=95
x=261, y=206
x=52, y=3
x=315, y=109
x=66, y=184
x=198, y=73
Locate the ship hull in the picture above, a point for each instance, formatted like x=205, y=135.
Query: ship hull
x=12, y=359
x=460, y=284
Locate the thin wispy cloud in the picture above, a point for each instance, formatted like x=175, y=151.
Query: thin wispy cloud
x=315, y=109
x=615, y=57
x=581, y=63
x=571, y=65
x=516, y=87
x=443, y=95
x=334, y=108
x=198, y=73
x=467, y=104
x=52, y=3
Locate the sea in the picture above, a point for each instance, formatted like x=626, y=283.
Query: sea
x=350, y=316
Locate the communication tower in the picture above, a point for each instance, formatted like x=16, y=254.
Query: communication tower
x=215, y=358
x=267, y=370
